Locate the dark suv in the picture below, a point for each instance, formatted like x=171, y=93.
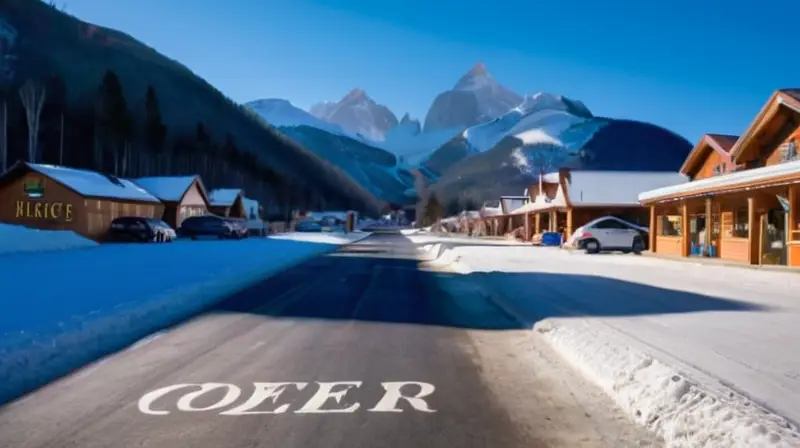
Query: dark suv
x=133, y=228
x=209, y=226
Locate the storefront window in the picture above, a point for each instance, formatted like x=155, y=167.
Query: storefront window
x=740, y=226
x=669, y=225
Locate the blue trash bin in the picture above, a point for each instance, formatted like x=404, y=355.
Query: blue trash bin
x=551, y=239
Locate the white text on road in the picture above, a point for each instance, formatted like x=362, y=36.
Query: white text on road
x=330, y=397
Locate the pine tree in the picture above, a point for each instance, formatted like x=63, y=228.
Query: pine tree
x=113, y=116
x=154, y=128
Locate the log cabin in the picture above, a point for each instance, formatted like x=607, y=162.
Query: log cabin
x=59, y=198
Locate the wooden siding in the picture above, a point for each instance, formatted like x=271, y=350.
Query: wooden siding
x=669, y=245
x=713, y=159
x=550, y=190
x=64, y=206
x=88, y=217
x=734, y=249
x=794, y=254
x=100, y=213
x=774, y=155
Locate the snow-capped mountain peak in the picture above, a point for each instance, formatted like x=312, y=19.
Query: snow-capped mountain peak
x=476, y=78
x=356, y=112
x=476, y=98
x=356, y=95
x=282, y=113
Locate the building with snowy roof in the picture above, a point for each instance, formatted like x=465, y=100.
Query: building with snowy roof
x=743, y=203
x=182, y=196
x=566, y=199
x=228, y=202
x=60, y=198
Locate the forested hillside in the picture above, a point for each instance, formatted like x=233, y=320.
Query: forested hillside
x=81, y=95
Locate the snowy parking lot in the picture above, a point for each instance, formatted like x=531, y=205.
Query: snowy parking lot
x=62, y=308
x=703, y=355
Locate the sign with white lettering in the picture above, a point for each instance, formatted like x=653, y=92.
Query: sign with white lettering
x=329, y=398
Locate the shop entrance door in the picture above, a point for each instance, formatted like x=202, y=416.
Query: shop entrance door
x=774, y=225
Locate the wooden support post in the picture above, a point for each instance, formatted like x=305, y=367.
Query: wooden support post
x=753, y=231
x=653, y=229
x=686, y=240
x=527, y=236
x=793, y=227
x=707, y=232
x=569, y=229
x=553, y=219
x=537, y=223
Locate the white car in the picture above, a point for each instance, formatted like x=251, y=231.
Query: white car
x=609, y=234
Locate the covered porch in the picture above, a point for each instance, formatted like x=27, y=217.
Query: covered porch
x=748, y=217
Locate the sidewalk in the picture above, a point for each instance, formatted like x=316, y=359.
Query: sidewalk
x=628, y=321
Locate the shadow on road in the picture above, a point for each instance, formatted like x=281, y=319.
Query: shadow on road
x=387, y=285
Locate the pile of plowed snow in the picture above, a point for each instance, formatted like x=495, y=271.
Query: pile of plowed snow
x=23, y=239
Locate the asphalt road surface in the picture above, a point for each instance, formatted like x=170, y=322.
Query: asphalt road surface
x=361, y=348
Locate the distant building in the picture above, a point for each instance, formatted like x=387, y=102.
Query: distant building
x=182, y=196
x=228, y=202
x=59, y=198
x=564, y=200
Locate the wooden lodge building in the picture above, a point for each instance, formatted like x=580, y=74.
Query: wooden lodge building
x=182, y=196
x=741, y=208
x=59, y=198
x=564, y=200
x=228, y=202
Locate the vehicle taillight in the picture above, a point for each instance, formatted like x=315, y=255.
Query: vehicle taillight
x=586, y=235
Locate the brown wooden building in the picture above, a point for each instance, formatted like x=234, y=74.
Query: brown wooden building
x=182, y=196
x=564, y=200
x=59, y=198
x=228, y=202
x=749, y=215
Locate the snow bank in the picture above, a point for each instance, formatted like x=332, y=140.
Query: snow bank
x=14, y=239
x=661, y=398
x=696, y=358
x=61, y=310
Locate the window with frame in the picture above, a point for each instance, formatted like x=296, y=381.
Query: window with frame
x=669, y=225
x=789, y=152
x=740, y=223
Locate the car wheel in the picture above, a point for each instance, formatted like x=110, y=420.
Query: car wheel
x=592, y=246
x=638, y=246
x=193, y=237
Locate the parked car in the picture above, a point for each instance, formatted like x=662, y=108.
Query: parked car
x=207, y=226
x=239, y=226
x=609, y=233
x=136, y=229
x=168, y=234
x=308, y=226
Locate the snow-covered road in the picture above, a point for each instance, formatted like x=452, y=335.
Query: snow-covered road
x=633, y=323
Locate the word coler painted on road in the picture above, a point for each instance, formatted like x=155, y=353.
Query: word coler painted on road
x=328, y=398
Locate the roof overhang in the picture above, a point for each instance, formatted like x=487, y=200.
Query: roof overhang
x=768, y=176
x=776, y=107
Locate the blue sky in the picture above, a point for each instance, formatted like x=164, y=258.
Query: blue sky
x=691, y=66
